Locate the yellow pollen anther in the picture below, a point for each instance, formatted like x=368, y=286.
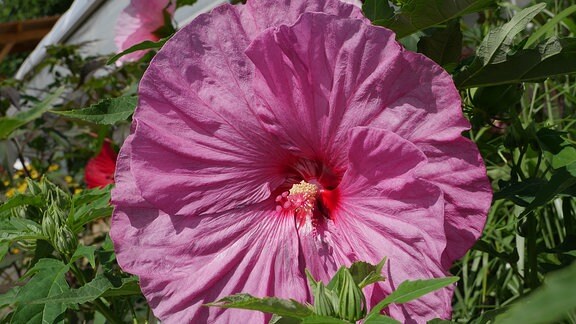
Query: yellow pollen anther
x=304, y=188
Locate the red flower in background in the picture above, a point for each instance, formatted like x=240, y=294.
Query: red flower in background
x=100, y=169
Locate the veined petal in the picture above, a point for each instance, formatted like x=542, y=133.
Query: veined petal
x=198, y=137
x=251, y=250
x=458, y=169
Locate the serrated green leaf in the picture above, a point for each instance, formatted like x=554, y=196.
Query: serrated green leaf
x=48, y=280
x=496, y=45
x=18, y=229
x=444, y=46
x=547, y=304
x=411, y=290
x=10, y=124
x=101, y=286
x=138, y=47
x=552, y=58
x=377, y=9
x=273, y=305
x=420, y=14
x=365, y=274
x=107, y=112
x=85, y=251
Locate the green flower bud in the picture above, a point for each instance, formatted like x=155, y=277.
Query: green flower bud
x=323, y=302
x=66, y=241
x=352, y=305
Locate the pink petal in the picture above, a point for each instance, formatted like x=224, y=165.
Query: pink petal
x=251, y=250
x=138, y=22
x=191, y=142
x=458, y=169
x=386, y=211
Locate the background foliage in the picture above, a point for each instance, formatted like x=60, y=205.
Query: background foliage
x=514, y=65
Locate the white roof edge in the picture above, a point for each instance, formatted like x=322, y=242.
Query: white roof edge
x=63, y=29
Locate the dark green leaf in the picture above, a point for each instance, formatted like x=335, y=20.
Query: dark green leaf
x=17, y=229
x=561, y=180
x=555, y=57
x=377, y=9
x=550, y=140
x=365, y=274
x=85, y=251
x=138, y=47
x=181, y=3
x=100, y=286
x=9, y=297
x=48, y=280
x=411, y=290
x=283, y=320
x=107, y=111
x=420, y=14
x=497, y=100
x=496, y=45
x=273, y=305
x=444, y=46
x=10, y=124
x=547, y=304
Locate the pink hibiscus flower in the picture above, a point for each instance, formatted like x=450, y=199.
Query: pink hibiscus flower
x=280, y=136
x=140, y=22
x=100, y=169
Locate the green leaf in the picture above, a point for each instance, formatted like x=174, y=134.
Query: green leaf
x=547, y=304
x=377, y=9
x=18, y=229
x=22, y=200
x=496, y=45
x=283, y=320
x=565, y=157
x=181, y=3
x=317, y=319
x=85, y=251
x=554, y=57
x=10, y=124
x=410, y=290
x=282, y=307
x=9, y=297
x=416, y=15
x=365, y=274
x=380, y=319
x=101, y=286
x=88, y=206
x=444, y=46
x=560, y=181
x=549, y=26
x=108, y=111
x=138, y=47
x=48, y=280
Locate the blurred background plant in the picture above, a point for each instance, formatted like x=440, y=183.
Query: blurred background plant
x=513, y=61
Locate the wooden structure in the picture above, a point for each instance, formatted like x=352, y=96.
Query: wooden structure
x=20, y=36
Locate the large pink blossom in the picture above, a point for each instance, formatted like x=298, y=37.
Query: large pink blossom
x=139, y=22
x=280, y=136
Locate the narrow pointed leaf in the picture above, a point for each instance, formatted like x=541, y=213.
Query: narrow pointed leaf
x=497, y=43
x=138, y=47
x=273, y=305
x=12, y=123
x=411, y=290
x=107, y=111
